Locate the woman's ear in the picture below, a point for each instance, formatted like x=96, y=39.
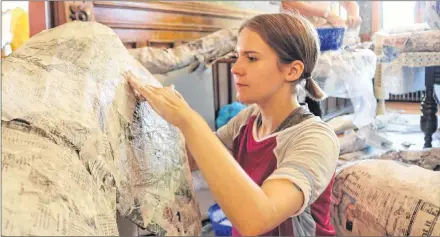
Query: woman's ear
x=293, y=71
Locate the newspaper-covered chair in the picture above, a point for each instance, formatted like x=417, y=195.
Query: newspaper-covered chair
x=385, y=198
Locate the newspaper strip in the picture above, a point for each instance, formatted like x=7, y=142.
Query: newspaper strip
x=67, y=83
x=386, y=198
x=48, y=193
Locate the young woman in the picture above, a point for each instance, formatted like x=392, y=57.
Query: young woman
x=271, y=167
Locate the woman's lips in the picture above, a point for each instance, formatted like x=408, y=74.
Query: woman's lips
x=240, y=85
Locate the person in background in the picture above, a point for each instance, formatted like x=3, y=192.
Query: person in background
x=322, y=13
x=271, y=168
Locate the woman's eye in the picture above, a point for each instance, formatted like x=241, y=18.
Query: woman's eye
x=252, y=58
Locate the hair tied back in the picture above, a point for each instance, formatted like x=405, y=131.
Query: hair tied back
x=312, y=88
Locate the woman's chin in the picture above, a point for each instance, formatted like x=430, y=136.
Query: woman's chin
x=243, y=99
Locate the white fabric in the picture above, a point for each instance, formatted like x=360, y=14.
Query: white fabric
x=433, y=14
x=349, y=73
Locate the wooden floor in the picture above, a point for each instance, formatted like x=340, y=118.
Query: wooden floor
x=404, y=107
x=417, y=139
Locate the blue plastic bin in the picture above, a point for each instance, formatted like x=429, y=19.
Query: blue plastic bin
x=331, y=38
x=220, y=224
x=228, y=112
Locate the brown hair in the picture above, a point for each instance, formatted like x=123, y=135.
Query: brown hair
x=292, y=37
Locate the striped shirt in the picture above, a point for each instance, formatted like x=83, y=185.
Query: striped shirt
x=303, y=150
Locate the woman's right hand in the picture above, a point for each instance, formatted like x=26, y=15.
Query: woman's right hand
x=167, y=102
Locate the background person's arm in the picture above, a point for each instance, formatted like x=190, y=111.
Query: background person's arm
x=305, y=8
x=317, y=10
x=352, y=8
x=353, y=18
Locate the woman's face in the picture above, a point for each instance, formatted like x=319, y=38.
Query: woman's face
x=256, y=73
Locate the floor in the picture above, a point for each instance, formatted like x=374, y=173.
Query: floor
x=399, y=127
x=404, y=107
x=413, y=108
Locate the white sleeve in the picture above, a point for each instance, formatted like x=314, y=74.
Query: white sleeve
x=230, y=131
x=309, y=162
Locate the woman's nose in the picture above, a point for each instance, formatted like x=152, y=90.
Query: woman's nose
x=237, y=68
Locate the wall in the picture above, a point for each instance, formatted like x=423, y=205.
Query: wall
x=15, y=26
x=365, y=9
x=371, y=13
x=194, y=86
x=38, y=18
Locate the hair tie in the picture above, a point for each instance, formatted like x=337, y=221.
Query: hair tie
x=307, y=75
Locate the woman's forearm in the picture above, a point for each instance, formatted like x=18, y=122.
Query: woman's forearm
x=192, y=163
x=305, y=8
x=352, y=8
x=239, y=196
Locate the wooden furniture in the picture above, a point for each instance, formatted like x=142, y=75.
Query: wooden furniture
x=37, y=17
x=157, y=24
x=429, y=106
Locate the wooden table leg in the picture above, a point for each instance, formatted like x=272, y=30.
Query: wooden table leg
x=428, y=121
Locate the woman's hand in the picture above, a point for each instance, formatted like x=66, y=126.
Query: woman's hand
x=354, y=21
x=353, y=18
x=167, y=102
x=335, y=21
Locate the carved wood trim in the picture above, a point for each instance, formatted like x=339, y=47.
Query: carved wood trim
x=141, y=44
x=162, y=26
x=58, y=14
x=199, y=8
x=153, y=22
x=80, y=11
x=66, y=11
x=160, y=44
x=429, y=106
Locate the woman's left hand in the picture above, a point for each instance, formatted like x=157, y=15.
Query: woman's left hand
x=166, y=101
